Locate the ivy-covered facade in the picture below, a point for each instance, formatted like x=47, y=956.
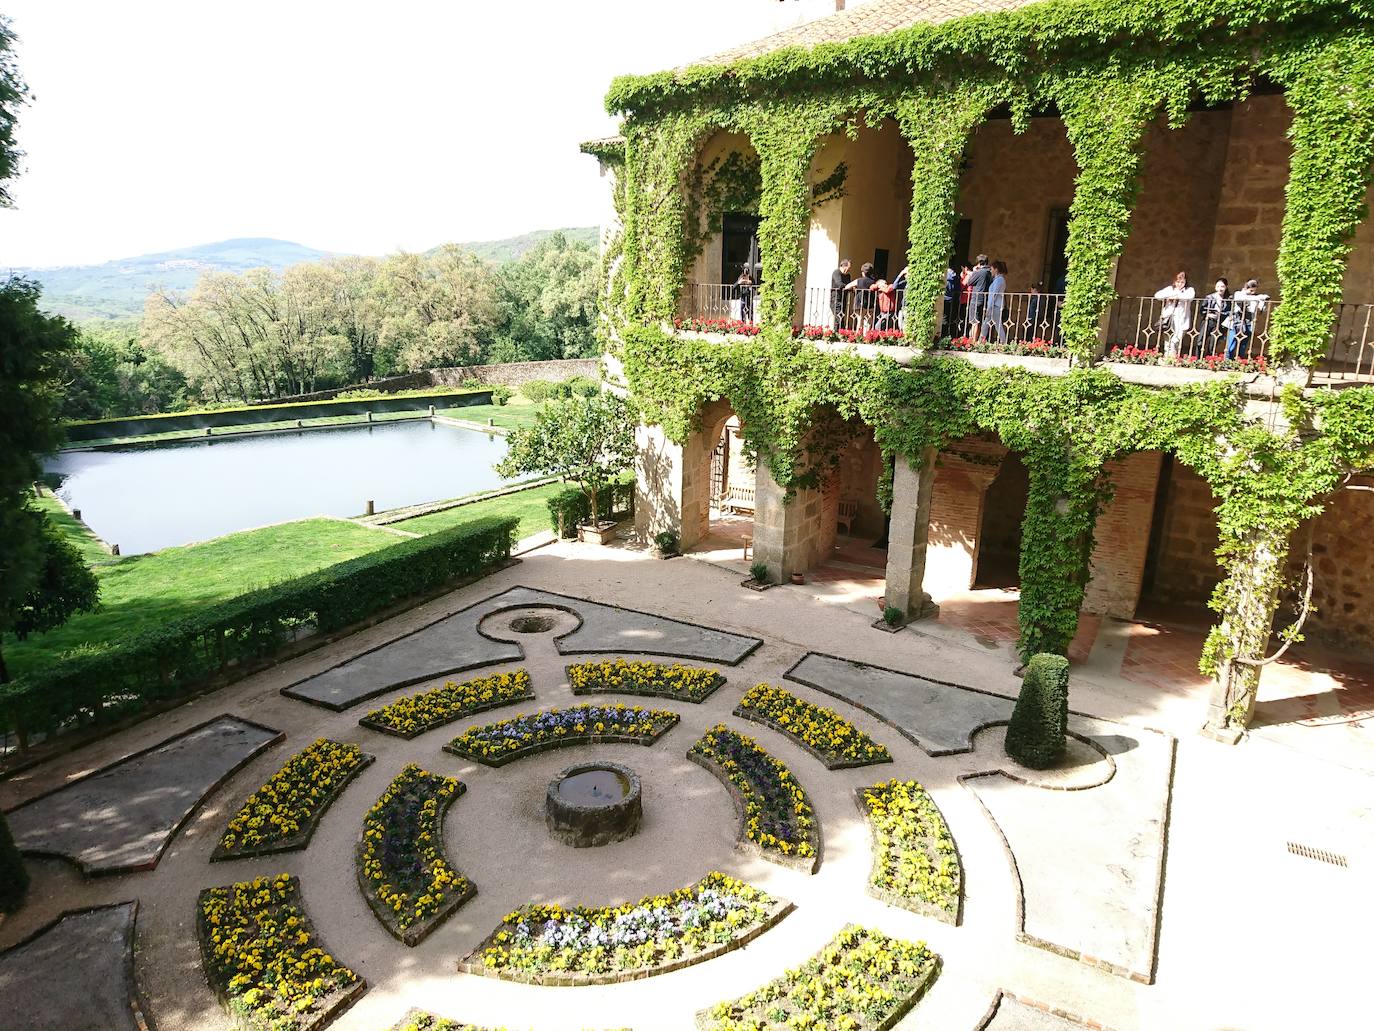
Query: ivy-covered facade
x=752, y=135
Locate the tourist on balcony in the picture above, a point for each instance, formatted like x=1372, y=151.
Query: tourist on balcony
x=1216, y=315
x=1176, y=315
x=978, y=282
x=839, y=279
x=864, y=297
x=1037, y=327
x=949, y=315
x=899, y=297
x=996, y=298
x=886, y=295
x=1247, y=303
x=744, y=295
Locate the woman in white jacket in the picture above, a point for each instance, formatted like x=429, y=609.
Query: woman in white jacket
x=1177, y=314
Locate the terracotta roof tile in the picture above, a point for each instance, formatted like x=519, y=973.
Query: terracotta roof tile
x=872, y=19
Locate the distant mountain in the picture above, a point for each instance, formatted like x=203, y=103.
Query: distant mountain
x=117, y=289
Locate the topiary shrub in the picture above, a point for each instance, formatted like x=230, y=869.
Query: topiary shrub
x=14, y=879
x=1040, y=720
x=500, y=395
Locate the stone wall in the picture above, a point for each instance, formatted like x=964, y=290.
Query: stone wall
x=511, y=374
x=1343, y=564
x=861, y=465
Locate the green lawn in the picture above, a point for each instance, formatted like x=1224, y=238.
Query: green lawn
x=529, y=506
x=72, y=531
x=515, y=414
x=142, y=591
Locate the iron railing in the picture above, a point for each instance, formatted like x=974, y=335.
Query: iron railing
x=714, y=301
x=1202, y=329
x=860, y=311
x=1350, y=354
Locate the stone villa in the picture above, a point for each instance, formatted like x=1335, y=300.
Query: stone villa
x=1213, y=199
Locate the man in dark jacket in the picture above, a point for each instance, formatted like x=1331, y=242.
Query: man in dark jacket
x=978, y=282
x=839, y=279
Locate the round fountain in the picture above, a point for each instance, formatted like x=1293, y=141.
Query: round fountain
x=593, y=803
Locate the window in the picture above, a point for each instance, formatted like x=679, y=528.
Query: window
x=739, y=247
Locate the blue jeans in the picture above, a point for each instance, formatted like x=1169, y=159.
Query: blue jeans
x=1238, y=340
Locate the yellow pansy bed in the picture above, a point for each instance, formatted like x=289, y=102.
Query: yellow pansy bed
x=823, y=732
x=400, y=861
x=282, y=815
x=263, y=960
x=775, y=812
x=554, y=945
x=659, y=680
x=419, y=1020
x=414, y=714
x=496, y=744
x=862, y=981
x=915, y=862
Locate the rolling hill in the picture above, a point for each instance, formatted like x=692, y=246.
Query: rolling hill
x=116, y=289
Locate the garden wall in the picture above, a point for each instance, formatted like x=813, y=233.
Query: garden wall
x=511, y=374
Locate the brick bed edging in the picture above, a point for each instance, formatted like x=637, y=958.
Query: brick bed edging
x=338, y=1001
x=779, y=909
x=903, y=1007
x=830, y=764
x=138, y=1005
x=567, y=741
x=86, y=870
x=365, y=721
x=802, y=864
x=911, y=905
x=1022, y=935
x=672, y=696
x=415, y=933
x=301, y=838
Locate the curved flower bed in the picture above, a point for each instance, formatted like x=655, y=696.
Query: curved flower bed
x=777, y=815
x=685, y=683
x=496, y=744
x=823, y=732
x=401, y=866
x=862, y=981
x=915, y=863
x=282, y=815
x=414, y=714
x=263, y=961
x=548, y=944
x=419, y=1020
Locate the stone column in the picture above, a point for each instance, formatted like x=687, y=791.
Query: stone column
x=908, y=533
x=788, y=535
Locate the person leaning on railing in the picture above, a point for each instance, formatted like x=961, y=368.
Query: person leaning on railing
x=1245, y=306
x=1176, y=314
x=977, y=283
x=993, y=309
x=1216, y=314
x=839, y=281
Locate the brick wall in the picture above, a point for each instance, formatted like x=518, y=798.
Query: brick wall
x=1123, y=537
x=962, y=476
x=1004, y=508
x=1184, y=564
x=860, y=466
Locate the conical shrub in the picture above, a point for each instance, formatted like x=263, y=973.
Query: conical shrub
x=14, y=879
x=1040, y=721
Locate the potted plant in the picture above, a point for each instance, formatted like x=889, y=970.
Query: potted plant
x=588, y=440
x=668, y=544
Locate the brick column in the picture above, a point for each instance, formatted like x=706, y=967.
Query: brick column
x=1122, y=537
x=956, y=515
x=908, y=532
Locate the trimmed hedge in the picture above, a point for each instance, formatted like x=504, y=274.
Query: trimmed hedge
x=616, y=500
x=1040, y=720
x=14, y=879
x=168, y=662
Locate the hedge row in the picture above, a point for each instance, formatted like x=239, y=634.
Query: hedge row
x=617, y=499
x=168, y=662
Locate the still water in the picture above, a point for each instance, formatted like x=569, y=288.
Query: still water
x=151, y=497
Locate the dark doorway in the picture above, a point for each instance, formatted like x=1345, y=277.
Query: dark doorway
x=1056, y=244
x=880, y=260
x=963, y=239
x=739, y=247
x=999, y=536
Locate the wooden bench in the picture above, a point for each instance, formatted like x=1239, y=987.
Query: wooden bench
x=846, y=512
x=739, y=500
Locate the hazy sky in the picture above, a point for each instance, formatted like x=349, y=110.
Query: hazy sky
x=349, y=126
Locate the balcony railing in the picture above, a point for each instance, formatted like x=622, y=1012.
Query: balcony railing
x=1207, y=333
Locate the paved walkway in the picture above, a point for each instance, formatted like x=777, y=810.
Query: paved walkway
x=1230, y=899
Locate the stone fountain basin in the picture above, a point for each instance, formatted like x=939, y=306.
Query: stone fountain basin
x=593, y=803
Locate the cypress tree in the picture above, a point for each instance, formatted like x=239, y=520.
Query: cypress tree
x=1040, y=720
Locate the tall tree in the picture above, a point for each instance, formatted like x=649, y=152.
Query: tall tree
x=548, y=303
x=438, y=309
x=13, y=95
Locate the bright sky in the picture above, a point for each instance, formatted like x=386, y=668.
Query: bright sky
x=348, y=125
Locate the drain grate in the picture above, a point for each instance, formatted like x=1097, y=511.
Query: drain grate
x=1320, y=855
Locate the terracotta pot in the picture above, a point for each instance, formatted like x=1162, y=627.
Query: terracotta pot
x=799, y=578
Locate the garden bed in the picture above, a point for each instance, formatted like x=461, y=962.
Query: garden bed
x=862, y=981
x=263, y=961
x=400, y=863
x=823, y=732
x=419, y=1020
x=496, y=744
x=416, y=714
x=619, y=676
x=776, y=818
x=915, y=862
x=297, y=795
x=611, y=944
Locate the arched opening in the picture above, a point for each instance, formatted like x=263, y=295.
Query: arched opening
x=725, y=267
x=999, y=536
x=718, y=487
